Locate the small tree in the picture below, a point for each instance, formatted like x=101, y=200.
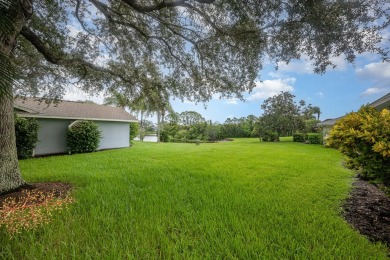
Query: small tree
x=26, y=132
x=364, y=137
x=83, y=137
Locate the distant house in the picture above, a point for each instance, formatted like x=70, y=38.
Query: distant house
x=54, y=120
x=379, y=104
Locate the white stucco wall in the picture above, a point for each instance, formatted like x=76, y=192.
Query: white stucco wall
x=52, y=135
x=114, y=134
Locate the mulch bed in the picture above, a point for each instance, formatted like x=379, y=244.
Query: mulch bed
x=368, y=210
x=59, y=189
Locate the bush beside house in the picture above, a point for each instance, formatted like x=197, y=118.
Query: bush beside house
x=83, y=137
x=364, y=137
x=26, y=132
x=134, y=130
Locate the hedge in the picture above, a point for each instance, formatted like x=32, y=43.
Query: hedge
x=83, y=137
x=299, y=137
x=314, y=138
x=26, y=132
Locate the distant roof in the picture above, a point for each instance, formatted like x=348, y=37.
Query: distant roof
x=381, y=103
x=329, y=122
x=71, y=110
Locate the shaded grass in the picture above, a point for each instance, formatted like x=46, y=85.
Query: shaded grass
x=241, y=199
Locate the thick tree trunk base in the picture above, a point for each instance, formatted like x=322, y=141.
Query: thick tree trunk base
x=10, y=177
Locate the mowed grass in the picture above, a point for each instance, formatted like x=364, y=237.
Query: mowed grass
x=229, y=200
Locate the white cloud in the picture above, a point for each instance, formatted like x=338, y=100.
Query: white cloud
x=300, y=67
x=373, y=91
x=379, y=74
x=271, y=87
x=304, y=65
x=232, y=101
x=320, y=94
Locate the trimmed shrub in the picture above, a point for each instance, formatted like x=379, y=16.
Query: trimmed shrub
x=314, y=138
x=299, y=137
x=26, y=132
x=83, y=137
x=134, y=130
x=364, y=137
x=270, y=136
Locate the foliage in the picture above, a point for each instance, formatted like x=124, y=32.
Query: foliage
x=311, y=126
x=269, y=136
x=189, y=118
x=83, y=137
x=219, y=60
x=212, y=133
x=134, y=130
x=299, y=137
x=314, y=138
x=26, y=131
x=364, y=138
x=198, y=193
x=32, y=210
x=281, y=114
x=240, y=127
x=149, y=126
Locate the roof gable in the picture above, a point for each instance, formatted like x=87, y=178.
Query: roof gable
x=71, y=110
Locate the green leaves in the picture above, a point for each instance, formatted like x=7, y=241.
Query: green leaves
x=26, y=132
x=83, y=137
x=364, y=137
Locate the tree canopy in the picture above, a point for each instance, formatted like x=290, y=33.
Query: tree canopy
x=192, y=48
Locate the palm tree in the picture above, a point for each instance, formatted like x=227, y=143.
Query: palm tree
x=317, y=111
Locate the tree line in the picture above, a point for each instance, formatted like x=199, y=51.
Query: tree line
x=282, y=116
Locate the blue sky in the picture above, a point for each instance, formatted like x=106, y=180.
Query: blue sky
x=337, y=92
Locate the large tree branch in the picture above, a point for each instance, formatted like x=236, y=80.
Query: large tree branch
x=62, y=60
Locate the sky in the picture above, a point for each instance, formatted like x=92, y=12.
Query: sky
x=337, y=92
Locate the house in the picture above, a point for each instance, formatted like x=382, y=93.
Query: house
x=379, y=104
x=55, y=118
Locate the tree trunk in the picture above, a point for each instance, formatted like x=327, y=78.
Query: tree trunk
x=158, y=126
x=10, y=177
x=17, y=14
x=142, y=132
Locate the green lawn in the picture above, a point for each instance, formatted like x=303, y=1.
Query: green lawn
x=241, y=199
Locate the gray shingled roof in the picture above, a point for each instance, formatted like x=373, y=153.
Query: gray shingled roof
x=329, y=122
x=381, y=103
x=71, y=110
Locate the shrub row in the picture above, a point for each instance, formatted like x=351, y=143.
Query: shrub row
x=311, y=138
